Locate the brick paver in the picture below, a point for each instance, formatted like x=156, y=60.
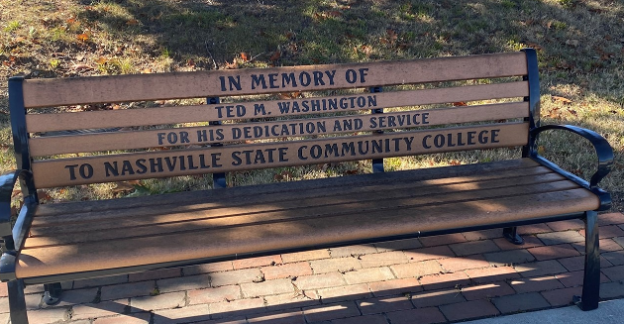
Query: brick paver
x=520, y=302
x=441, y=279
x=332, y=265
x=330, y=311
x=428, y=315
x=155, y=274
x=214, y=295
x=162, y=301
x=438, y=281
x=140, y=318
x=474, y=247
x=102, y=309
x=368, y=275
x=506, y=258
x=270, y=287
x=353, y=250
x=436, y=298
x=540, y=268
x=562, y=297
x=492, y=274
x=368, y=319
x=305, y=256
x=535, y=284
x=290, y=270
x=325, y=280
x=487, y=291
x=553, y=252
x=395, y=287
x=615, y=258
x=614, y=273
x=349, y=292
x=464, y=263
x=429, y=253
x=257, y=262
x=281, y=317
x=529, y=242
x=443, y=239
x=142, y=288
x=561, y=237
x=383, y=259
x=398, y=245
x=384, y=304
x=572, y=224
x=416, y=269
x=469, y=310
x=578, y=263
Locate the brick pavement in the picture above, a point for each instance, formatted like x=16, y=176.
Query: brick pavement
x=441, y=279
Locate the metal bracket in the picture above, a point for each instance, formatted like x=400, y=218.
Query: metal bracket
x=218, y=179
x=378, y=166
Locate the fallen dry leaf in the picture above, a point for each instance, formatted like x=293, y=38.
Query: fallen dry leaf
x=562, y=100
x=122, y=186
x=275, y=56
x=232, y=65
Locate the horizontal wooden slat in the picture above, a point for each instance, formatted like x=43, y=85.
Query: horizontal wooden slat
x=45, y=146
x=68, y=91
x=300, y=233
x=41, y=123
x=292, y=203
x=439, y=175
x=292, y=210
x=51, y=173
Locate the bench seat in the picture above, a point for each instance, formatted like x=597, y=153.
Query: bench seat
x=86, y=236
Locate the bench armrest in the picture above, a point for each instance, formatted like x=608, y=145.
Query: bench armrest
x=604, y=152
x=7, y=183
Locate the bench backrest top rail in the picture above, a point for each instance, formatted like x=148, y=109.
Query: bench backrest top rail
x=70, y=91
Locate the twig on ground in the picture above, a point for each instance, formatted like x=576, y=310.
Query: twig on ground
x=214, y=63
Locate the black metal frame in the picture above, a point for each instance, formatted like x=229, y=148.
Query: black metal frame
x=218, y=179
x=378, y=164
x=13, y=237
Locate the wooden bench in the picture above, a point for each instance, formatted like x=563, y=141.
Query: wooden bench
x=50, y=243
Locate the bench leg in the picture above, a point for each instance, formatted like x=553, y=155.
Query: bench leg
x=52, y=294
x=511, y=234
x=591, y=279
x=17, y=302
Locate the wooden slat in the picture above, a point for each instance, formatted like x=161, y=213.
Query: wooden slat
x=118, y=211
x=169, y=203
x=45, y=146
x=291, y=211
x=243, y=194
x=68, y=91
x=51, y=173
x=41, y=123
x=303, y=233
x=289, y=203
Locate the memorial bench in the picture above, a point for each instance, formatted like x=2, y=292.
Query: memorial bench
x=55, y=242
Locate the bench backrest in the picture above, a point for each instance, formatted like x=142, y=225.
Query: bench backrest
x=318, y=129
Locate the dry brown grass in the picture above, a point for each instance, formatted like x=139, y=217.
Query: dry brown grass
x=579, y=45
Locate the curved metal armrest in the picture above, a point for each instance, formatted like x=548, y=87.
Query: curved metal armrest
x=7, y=183
x=602, y=147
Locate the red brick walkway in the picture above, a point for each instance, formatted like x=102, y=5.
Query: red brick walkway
x=431, y=280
